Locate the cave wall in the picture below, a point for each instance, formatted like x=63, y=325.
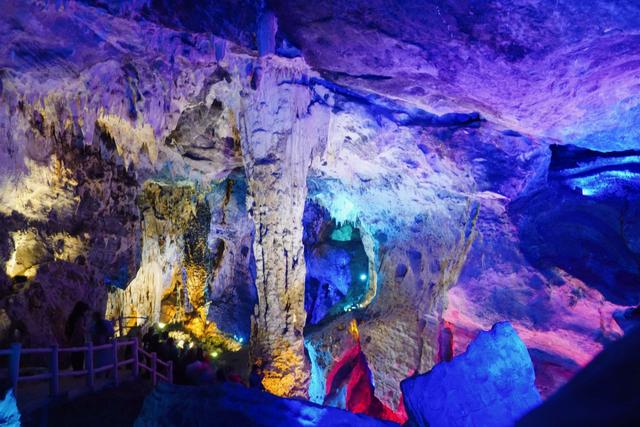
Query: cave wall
x=232, y=291
x=337, y=276
x=537, y=237
x=86, y=134
x=68, y=233
x=416, y=227
x=153, y=167
x=197, y=269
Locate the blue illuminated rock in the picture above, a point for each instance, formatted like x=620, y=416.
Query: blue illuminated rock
x=587, y=207
x=236, y=406
x=9, y=413
x=490, y=385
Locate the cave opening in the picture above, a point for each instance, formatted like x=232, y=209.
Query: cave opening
x=196, y=282
x=337, y=277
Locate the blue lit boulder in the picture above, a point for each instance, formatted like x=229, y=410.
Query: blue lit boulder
x=490, y=385
x=9, y=413
x=232, y=405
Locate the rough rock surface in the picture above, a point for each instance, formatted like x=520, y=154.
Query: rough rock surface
x=9, y=413
x=603, y=393
x=233, y=405
x=153, y=164
x=565, y=69
x=85, y=131
x=518, y=269
x=416, y=217
x=283, y=133
x=337, y=265
x=491, y=384
x=70, y=240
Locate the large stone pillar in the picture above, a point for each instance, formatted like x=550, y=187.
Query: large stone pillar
x=282, y=133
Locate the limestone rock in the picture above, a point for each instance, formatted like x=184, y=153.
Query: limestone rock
x=553, y=69
x=9, y=412
x=283, y=133
x=491, y=384
x=232, y=405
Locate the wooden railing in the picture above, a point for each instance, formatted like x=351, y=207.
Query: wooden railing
x=121, y=323
x=139, y=360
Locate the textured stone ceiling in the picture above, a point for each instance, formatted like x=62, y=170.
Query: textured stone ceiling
x=564, y=69
x=560, y=68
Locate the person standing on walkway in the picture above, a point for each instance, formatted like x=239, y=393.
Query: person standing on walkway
x=76, y=331
x=102, y=332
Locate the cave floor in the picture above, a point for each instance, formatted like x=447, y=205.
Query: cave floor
x=111, y=406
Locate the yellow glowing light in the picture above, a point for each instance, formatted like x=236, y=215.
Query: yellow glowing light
x=214, y=354
x=208, y=332
x=29, y=252
x=161, y=325
x=131, y=141
x=10, y=267
x=190, y=345
x=353, y=330
x=284, y=372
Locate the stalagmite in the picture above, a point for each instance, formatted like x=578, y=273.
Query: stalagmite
x=282, y=133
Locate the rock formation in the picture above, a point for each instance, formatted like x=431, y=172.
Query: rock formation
x=491, y=384
x=473, y=163
x=284, y=133
x=233, y=405
x=9, y=413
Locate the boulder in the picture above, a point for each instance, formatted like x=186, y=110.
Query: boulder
x=490, y=385
x=232, y=405
x=9, y=413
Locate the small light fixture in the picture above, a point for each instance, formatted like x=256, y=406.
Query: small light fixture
x=214, y=354
x=161, y=325
x=363, y=277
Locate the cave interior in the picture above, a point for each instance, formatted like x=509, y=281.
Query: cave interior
x=380, y=212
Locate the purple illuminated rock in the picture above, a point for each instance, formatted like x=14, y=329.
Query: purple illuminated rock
x=604, y=393
x=491, y=385
x=558, y=68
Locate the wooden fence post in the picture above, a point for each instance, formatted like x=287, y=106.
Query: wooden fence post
x=54, y=383
x=89, y=364
x=154, y=368
x=116, y=374
x=170, y=372
x=14, y=366
x=136, y=357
